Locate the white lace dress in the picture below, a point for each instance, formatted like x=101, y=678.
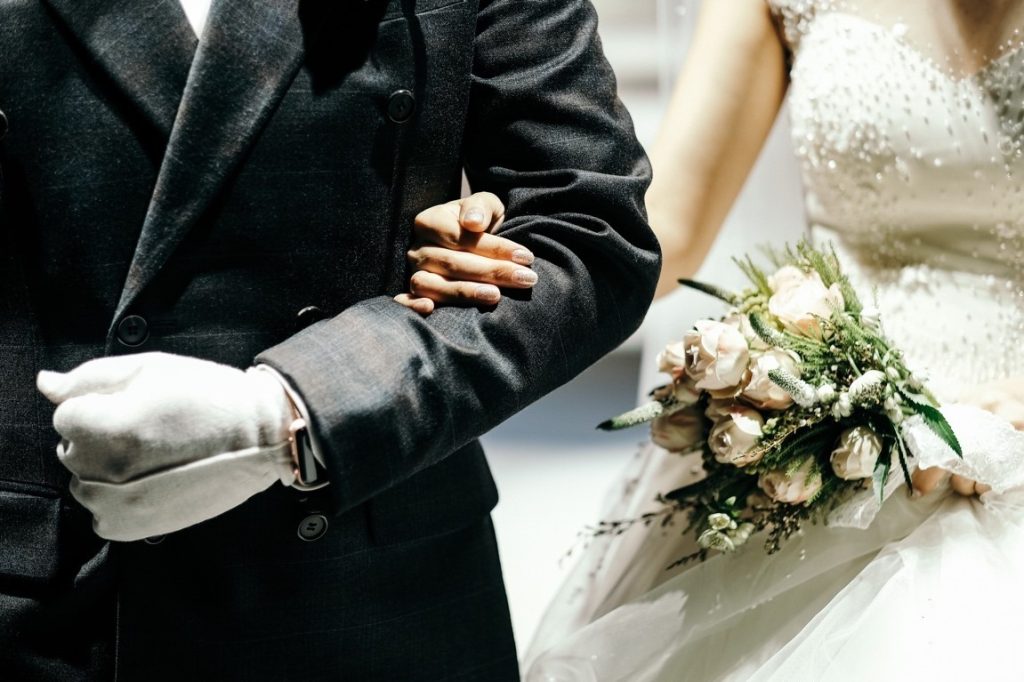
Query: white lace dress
x=912, y=156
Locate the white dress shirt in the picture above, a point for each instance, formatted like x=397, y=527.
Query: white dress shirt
x=196, y=11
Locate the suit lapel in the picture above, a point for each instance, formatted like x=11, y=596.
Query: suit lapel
x=250, y=52
x=145, y=46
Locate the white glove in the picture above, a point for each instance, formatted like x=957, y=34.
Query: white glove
x=159, y=442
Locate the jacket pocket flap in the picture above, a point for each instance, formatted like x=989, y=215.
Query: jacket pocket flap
x=450, y=495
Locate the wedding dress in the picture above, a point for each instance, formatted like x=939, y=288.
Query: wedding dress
x=912, y=157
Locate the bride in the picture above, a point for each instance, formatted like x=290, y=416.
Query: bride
x=907, y=119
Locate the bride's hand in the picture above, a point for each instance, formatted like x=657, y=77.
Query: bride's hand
x=1004, y=399
x=926, y=480
x=456, y=261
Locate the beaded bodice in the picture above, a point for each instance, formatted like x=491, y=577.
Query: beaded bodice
x=912, y=156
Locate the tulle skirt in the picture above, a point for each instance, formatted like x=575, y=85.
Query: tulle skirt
x=928, y=589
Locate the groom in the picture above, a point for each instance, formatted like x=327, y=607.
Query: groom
x=200, y=242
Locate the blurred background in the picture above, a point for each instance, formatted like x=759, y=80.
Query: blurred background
x=552, y=467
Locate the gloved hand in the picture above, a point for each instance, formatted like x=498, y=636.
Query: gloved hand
x=159, y=442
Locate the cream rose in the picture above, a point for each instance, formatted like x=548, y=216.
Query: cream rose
x=717, y=355
x=734, y=437
x=718, y=408
x=800, y=300
x=761, y=391
x=679, y=431
x=857, y=453
x=672, y=360
x=785, y=277
x=682, y=391
x=795, y=488
x=742, y=324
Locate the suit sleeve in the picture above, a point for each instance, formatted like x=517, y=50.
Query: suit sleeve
x=389, y=392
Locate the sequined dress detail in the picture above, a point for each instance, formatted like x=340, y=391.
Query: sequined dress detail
x=915, y=170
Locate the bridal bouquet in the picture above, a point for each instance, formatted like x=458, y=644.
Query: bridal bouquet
x=795, y=399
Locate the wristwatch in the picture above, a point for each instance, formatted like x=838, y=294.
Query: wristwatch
x=309, y=473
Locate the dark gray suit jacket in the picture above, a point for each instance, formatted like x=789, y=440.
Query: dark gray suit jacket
x=153, y=203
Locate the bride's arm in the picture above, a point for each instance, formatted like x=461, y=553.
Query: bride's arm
x=724, y=104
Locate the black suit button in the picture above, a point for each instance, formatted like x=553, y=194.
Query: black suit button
x=132, y=331
x=309, y=315
x=4, y=127
x=401, y=106
x=313, y=527
x=155, y=539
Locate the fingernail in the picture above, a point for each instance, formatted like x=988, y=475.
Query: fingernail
x=522, y=257
x=528, y=277
x=474, y=217
x=487, y=293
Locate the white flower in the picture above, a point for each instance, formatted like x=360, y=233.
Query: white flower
x=743, y=533
x=761, y=391
x=795, y=488
x=681, y=392
x=733, y=439
x=868, y=388
x=857, y=453
x=672, y=360
x=842, y=407
x=715, y=539
x=827, y=393
x=800, y=300
x=787, y=276
x=870, y=317
x=717, y=355
x=721, y=521
x=679, y=431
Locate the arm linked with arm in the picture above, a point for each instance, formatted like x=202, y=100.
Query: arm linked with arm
x=390, y=393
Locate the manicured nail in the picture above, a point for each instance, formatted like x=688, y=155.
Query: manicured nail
x=474, y=216
x=528, y=277
x=522, y=256
x=487, y=293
